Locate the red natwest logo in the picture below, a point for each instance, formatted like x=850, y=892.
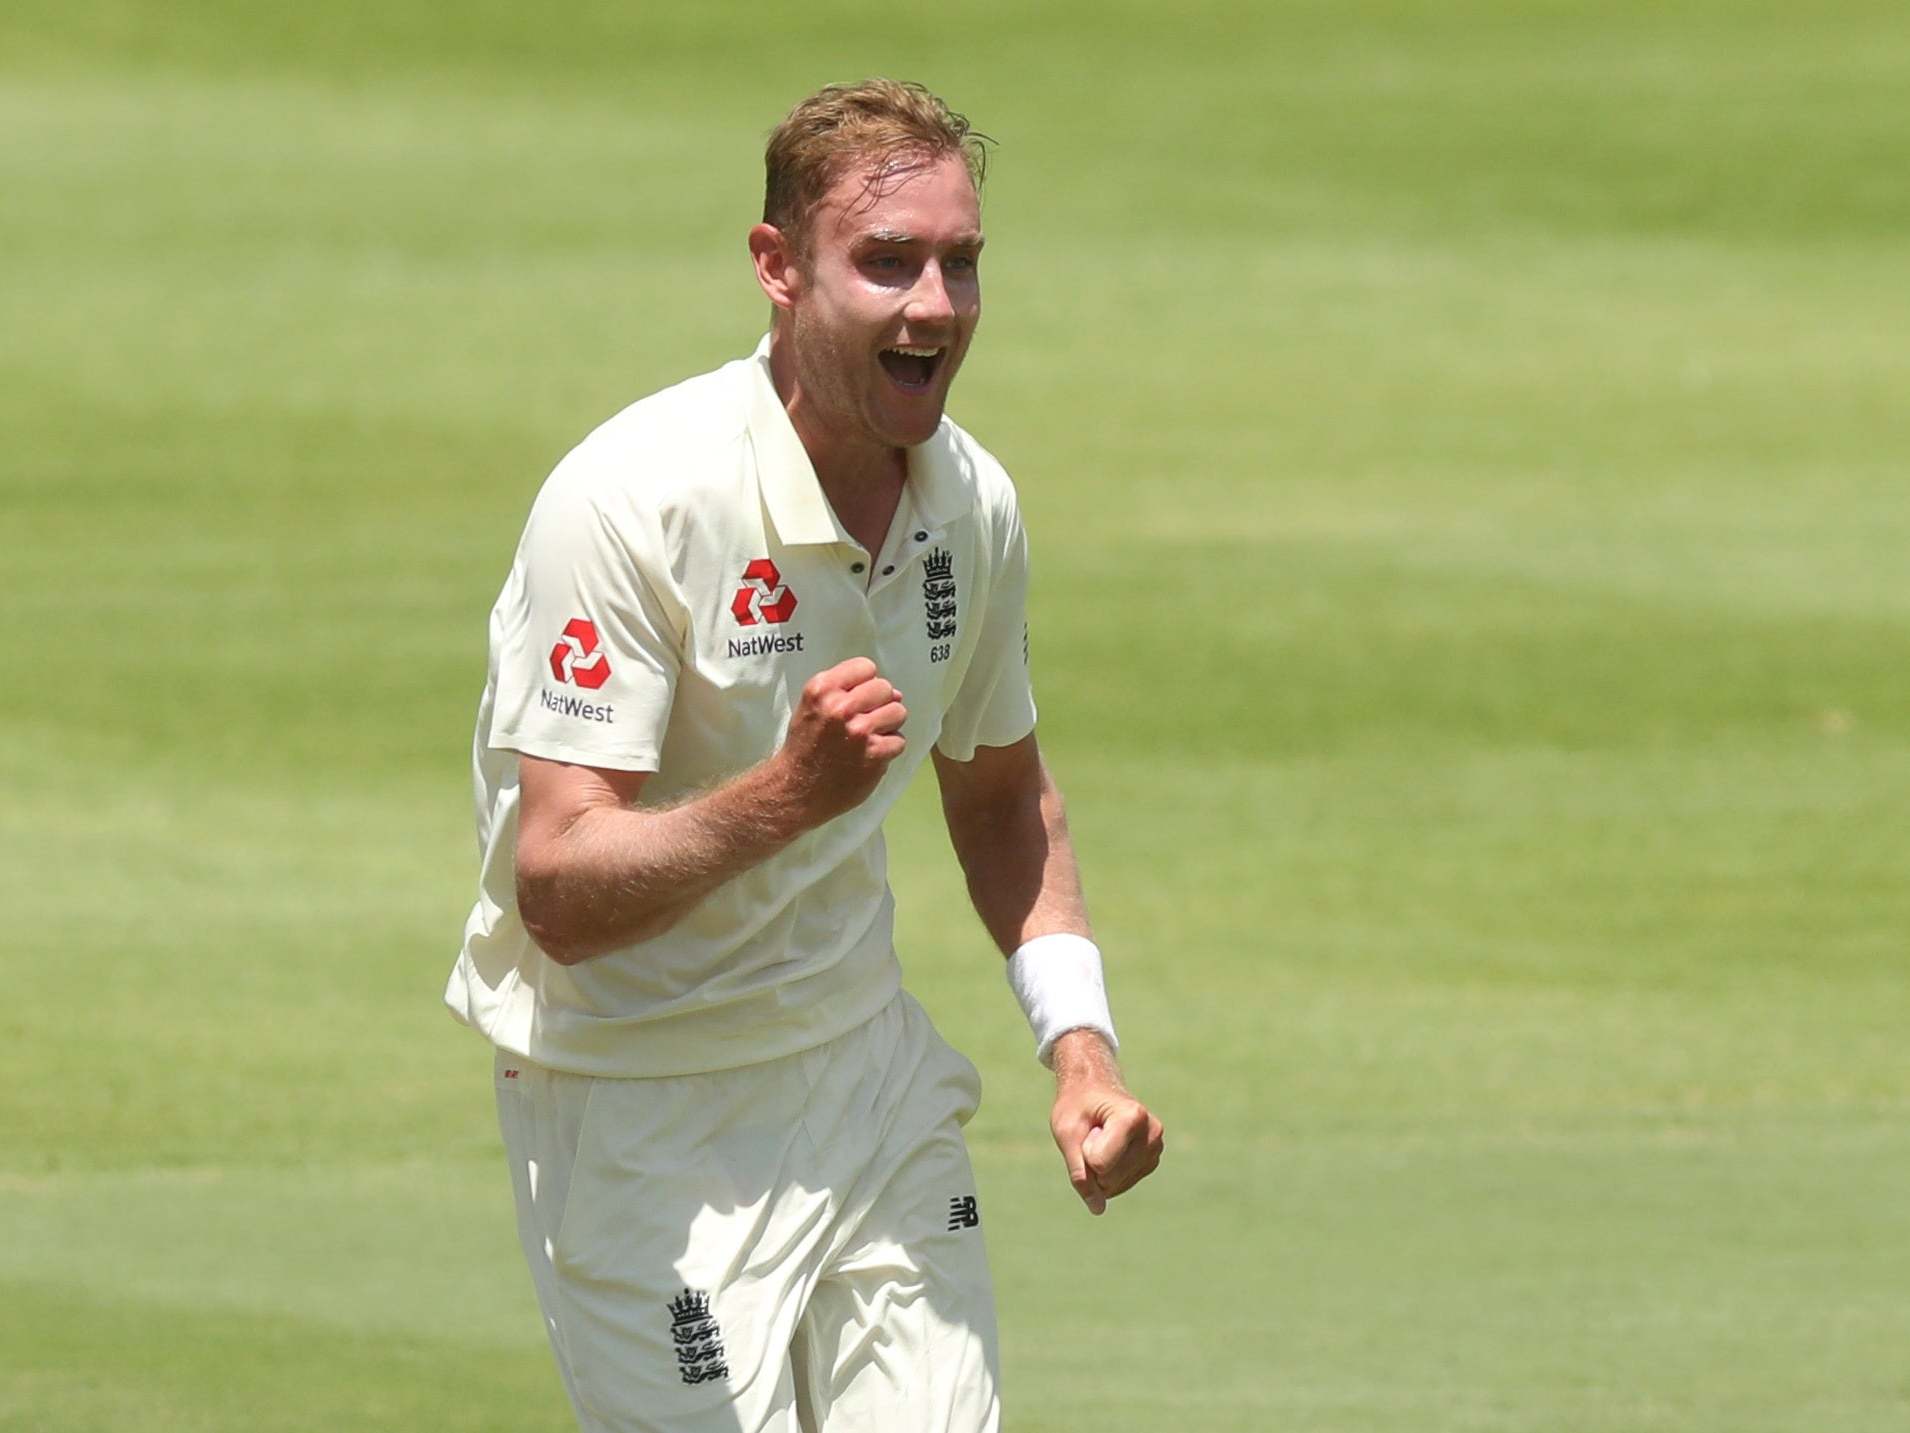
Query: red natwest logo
x=762, y=597
x=575, y=658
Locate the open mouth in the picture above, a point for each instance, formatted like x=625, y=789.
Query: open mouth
x=912, y=369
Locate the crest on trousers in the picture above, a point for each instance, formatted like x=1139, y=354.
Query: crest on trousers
x=698, y=1338
x=938, y=595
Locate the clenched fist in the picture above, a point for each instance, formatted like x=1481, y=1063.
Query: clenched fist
x=1109, y=1140
x=842, y=736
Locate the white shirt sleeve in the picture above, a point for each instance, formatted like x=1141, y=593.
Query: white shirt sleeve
x=587, y=639
x=995, y=705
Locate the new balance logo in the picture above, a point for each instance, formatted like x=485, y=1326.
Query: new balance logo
x=698, y=1338
x=963, y=1212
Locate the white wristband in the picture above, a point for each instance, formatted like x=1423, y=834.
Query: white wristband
x=1058, y=980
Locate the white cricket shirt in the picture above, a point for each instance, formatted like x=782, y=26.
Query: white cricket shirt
x=680, y=578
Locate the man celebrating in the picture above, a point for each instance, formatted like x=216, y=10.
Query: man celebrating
x=742, y=613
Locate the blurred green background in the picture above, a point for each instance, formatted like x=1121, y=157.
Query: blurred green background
x=1466, y=450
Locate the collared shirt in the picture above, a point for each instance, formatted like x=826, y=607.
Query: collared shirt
x=680, y=578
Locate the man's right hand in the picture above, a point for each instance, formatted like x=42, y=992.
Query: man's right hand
x=842, y=736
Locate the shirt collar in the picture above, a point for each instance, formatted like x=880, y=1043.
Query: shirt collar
x=797, y=508
x=938, y=482
x=941, y=485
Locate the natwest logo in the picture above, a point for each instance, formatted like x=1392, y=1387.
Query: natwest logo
x=762, y=597
x=575, y=658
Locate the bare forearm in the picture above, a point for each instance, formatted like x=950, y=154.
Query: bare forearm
x=1019, y=862
x=618, y=875
x=597, y=872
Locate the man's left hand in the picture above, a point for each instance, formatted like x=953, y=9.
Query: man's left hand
x=1109, y=1139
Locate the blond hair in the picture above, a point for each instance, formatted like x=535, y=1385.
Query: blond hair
x=878, y=122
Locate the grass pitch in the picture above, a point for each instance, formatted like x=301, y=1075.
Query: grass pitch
x=1465, y=451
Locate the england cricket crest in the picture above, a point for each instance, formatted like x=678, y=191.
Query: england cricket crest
x=938, y=603
x=698, y=1338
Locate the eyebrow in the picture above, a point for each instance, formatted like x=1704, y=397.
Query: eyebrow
x=898, y=236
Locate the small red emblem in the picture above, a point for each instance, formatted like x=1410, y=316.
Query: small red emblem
x=575, y=658
x=763, y=597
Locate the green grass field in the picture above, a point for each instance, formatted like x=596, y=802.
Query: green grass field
x=1467, y=451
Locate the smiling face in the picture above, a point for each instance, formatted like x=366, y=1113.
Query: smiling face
x=878, y=301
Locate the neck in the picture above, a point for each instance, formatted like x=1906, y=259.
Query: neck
x=862, y=480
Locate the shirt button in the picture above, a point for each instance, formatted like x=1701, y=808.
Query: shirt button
x=921, y=537
x=855, y=567
x=887, y=570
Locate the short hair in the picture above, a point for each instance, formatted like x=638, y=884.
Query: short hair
x=841, y=126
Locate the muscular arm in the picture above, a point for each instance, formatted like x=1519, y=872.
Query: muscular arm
x=1010, y=832
x=1009, y=828
x=596, y=872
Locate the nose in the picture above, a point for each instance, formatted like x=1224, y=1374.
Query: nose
x=929, y=302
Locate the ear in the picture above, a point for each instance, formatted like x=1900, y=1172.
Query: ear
x=776, y=265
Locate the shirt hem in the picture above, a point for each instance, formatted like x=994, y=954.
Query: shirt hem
x=702, y=1042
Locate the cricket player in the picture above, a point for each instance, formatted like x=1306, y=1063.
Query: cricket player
x=743, y=612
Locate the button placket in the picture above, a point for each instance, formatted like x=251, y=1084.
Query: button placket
x=852, y=625
x=888, y=562
x=908, y=549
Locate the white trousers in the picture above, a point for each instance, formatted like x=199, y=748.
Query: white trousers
x=788, y=1246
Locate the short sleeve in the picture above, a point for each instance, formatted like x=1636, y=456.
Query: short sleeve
x=995, y=705
x=586, y=639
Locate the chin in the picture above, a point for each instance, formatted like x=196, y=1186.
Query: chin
x=912, y=431
x=921, y=433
